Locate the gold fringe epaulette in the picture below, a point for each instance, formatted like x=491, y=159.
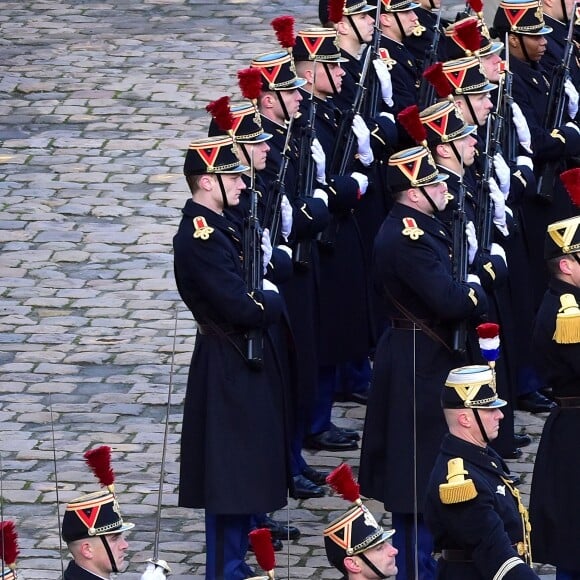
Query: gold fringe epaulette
x=457, y=489
x=568, y=321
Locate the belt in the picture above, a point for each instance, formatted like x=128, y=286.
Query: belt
x=568, y=402
x=217, y=330
x=406, y=324
x=467, y=555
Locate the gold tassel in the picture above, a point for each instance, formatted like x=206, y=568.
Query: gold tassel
x=568, y=321
x=457, y=489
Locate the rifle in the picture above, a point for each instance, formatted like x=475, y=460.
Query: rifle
x=374, y=85
x=484, y=217
x=460, y=261
x=252, y=240
x=343, y=151
x=272, y=211
x=555, y=113
x=426, y=89
x=509, y=140
x=302, y=250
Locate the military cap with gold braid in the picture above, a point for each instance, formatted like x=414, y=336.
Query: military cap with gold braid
x=356, y=530
x=466, y=76
x=278, y=71
x=413, y=167
x=317, y=44
x=389, y=6
x=212, y=155
x=444, y=123
x=351, y=7
x=247, y=125
x=471, y=387
x=520, y=17
x=98, y=513
x=468, y=37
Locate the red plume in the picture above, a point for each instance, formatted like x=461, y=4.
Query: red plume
x=468, y=34
x=8, y=544
x=220, y=111
x=409, y=118
x=342, y=481
x=250, y=83
x=476, y=5
x=261, y=542
x=99, y=460
x=335, y=10
x=434, y=74
x=487, y=330
x=571, y=181
x=284, y=28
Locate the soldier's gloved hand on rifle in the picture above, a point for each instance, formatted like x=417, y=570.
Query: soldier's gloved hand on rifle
x=572, y=95
x=503, y=174
x=522, y=128
x=266, y=246
x=497, y=250
x=525, y=160
x=363, y=137
x=362, y=180
x=473, y=279
x=498, y=201
x=384, y=76
x=267, y=285
x=472, y=245
x=154, y=572
x=321, y=194
x=286, y=215
x=320, y=160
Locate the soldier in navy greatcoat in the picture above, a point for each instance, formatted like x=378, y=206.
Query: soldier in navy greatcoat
x=413, y=271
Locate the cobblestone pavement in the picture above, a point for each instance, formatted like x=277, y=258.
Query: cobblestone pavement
x=98, y=100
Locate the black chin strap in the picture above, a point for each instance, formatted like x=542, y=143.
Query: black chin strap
x=354, y=27
x=283, y=105
x=428, y=198
x=327, y=69
x=396, y=15
x=523, y=47
x=371, y=566
x=110, y=554
x=456, y=153
x=223, y=190
x=480, y=425
x=472, y=112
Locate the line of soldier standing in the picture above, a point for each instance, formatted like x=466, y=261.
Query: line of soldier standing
x=363, y=204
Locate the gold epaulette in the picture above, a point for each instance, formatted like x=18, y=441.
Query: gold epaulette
x=457, y=489
x=411, y=228
x=202, y=229
x=567, y=321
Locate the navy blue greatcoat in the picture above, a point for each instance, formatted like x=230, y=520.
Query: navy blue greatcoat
x=554, y=502
x=233, y=446
x=416, y=273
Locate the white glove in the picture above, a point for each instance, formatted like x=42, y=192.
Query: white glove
x=321, y=194
x=384, y=76
x=503, y=174
x=498, y=201
x=363, y=137
x=286, y=215
x=153, y=572
x=267, y=285
x=573, y=126
x=572, y=95
x=472, y=244
x=525, y=160
x=522, y=128
x=473, y=279
x=362, y=180
x=389, y=116
x=497, y=250
x=320, y=159
x=266, y=246
x=286, y=249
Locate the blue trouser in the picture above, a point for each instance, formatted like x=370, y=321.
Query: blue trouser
x=567, y=574
x=405, y=541
x=226, y=538
x=322, y=411
x=354, y=376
